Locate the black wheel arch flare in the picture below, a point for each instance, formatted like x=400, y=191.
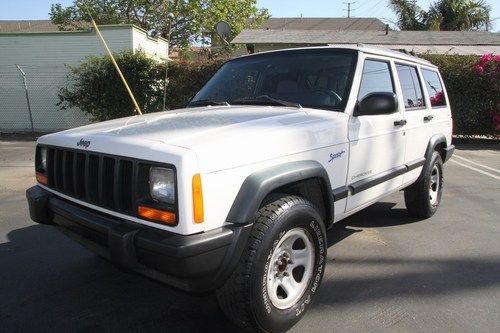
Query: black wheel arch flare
x=261, y=183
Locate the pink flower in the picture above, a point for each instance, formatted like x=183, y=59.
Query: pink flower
x=437, y=98
x=485, y=58
x=496, y=58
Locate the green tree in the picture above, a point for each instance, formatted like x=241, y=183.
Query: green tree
x=443, y=15
x=193, y=21
x=461, y=14
x=410, y=15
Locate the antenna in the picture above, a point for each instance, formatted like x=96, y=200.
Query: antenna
x=223, y=30
x=137, y=108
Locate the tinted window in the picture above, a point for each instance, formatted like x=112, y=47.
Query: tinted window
x=410, y=85
x=434, y=87
x=312, y=78
x=376, y=78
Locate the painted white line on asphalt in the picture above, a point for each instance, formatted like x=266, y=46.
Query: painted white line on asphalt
x=481, y=165
x=476, y=169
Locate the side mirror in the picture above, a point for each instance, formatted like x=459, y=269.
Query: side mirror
x=377, y=103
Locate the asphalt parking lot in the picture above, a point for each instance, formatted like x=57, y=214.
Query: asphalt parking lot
x=386, y=271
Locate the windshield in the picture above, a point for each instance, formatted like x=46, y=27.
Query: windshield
x=315, y=78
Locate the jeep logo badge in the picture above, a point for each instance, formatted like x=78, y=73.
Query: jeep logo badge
x=83, y=143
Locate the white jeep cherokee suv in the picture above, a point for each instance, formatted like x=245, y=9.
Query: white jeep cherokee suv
x=234, y=193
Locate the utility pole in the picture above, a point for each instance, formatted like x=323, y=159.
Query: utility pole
x=349, y=8
x=414, y=9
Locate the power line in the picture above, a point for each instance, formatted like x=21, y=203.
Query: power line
x=371, y=9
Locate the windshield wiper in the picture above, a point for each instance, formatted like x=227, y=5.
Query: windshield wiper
x=205, y=102
x=266, y=100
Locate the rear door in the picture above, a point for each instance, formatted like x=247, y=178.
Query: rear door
x=377, y=142
x=416, y=112
x=426, y=112
x=440, y=121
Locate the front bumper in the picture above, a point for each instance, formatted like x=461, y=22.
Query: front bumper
x=197, y=263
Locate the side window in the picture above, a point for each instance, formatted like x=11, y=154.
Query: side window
x=376, y=78
x=410, y=85
x=434, y=87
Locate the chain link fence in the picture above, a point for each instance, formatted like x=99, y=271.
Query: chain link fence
x=33, y=90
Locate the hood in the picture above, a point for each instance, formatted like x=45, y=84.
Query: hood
x=178, y=127
x=214, y=133
x=185, y=127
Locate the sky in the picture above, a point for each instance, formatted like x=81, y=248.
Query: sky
x=39, y=9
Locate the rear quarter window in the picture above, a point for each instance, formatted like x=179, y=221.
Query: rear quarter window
x=434, y=88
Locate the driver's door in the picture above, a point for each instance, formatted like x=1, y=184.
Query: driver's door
x=377, y=142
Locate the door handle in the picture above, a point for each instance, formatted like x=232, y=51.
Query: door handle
x=428, y=118
x=401, y=122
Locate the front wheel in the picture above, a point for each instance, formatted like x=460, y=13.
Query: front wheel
x=423, y=197
x=280, y=270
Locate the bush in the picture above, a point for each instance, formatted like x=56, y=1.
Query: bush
x=472, y=83
x=474, y=93
x=186, y=78
x=97, y=90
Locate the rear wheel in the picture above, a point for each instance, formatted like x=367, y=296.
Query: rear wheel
x=281, y=269
x=423, y=197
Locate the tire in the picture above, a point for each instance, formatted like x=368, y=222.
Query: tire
x=423, y=197
x=259, y=295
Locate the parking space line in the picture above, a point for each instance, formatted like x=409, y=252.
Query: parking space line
x=476, y=169
x=481, y=165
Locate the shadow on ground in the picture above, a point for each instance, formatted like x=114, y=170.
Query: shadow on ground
x=47, y=281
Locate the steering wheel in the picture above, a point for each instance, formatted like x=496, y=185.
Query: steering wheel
x=332, y=94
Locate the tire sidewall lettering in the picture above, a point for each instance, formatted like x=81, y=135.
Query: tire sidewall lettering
x=316, y=231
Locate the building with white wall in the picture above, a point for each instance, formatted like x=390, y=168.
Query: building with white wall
x=44, y=57
x=280, y=33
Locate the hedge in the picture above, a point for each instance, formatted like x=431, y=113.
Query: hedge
x=95, y=88
x=472, y=83
x=473, y=88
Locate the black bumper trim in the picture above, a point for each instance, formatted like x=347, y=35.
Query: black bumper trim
x=198, y=263
x=448, y=152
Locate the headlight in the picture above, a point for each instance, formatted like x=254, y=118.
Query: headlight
x=43, y=158
x=162, y=184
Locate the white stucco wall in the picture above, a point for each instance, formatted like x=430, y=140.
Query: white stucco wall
x=44, y=57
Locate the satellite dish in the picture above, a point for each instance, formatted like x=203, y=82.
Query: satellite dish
x=223, y=30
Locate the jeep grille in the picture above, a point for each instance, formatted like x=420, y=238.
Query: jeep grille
x=100, y=179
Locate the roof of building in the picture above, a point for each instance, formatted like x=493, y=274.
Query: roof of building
x=258, y=36
x=323, y=23
x=365, y=49
x=27, y=26
x=86, y=28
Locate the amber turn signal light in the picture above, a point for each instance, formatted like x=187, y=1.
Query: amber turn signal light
x=157, y=215
x=41, y=178
x=197, y=199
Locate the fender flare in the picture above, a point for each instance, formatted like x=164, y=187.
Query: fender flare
x=435, y=140
x=259, y=184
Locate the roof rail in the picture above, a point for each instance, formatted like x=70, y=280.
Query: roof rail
x=405, y=51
